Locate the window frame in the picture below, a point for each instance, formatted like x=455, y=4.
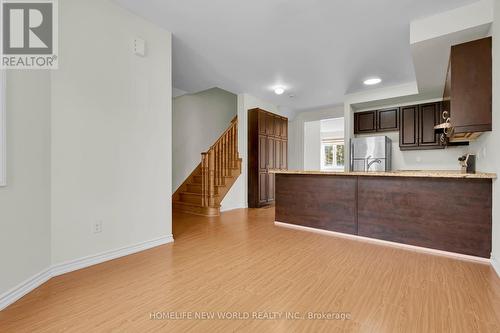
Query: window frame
x=334, y=143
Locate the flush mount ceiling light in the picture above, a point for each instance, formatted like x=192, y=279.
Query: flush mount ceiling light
x=279, y=90
x=372, y=81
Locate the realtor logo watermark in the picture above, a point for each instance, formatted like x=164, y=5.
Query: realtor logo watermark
x=29, y=34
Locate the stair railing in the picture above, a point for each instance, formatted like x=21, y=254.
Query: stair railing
x=218, y=162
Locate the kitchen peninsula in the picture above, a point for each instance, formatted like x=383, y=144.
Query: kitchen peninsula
x=441, y=210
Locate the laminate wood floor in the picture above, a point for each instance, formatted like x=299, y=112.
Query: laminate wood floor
x=242, y=263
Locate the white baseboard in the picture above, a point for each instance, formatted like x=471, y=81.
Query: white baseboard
x=34, y=282
x=387, y=243
x=73, y=265
x=230, y=207
x=23, y=288
x=496, y=265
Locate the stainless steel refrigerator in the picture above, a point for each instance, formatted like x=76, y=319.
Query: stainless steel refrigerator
x=371, y=154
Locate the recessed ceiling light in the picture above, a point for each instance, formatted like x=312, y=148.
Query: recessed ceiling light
x=372, y=81
x=279, y=90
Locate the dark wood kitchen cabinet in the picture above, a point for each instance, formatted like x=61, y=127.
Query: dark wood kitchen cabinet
x=267, y=150
x=385, y=120
x=437, y=212
x=468, y=89
x=417, y=127
x=388, y=120
x=365, y=122
x=408, y=135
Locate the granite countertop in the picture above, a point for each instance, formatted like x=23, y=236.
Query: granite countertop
x=397, y=173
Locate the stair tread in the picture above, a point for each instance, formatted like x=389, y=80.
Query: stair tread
x=199, y=184
x=193, y=193
x=177, y=202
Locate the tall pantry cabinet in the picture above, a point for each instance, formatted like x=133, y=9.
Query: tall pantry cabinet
x=267, y=150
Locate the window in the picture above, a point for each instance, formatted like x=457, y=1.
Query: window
x=332, y=154
x=3, y=127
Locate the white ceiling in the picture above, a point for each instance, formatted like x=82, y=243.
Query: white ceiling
x=319, y=49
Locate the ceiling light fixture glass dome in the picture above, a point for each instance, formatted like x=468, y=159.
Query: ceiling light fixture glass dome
x=279, y=90
x=372, y=81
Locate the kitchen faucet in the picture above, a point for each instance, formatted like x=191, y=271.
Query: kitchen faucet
x=369, y=164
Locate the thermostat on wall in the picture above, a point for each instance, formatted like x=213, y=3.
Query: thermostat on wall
x=140, y=47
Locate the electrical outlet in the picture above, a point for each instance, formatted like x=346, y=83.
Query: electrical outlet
x=97, y=227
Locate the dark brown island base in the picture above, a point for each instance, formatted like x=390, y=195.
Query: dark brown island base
x=445, y=211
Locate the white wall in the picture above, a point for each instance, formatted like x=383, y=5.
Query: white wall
x=494, y=138
x=437, y=159
x=3, y=128
x=199, y=120
x=24, y=203
x=237, y=197
x=111, y=131
x=488, y=144
x=296, y=132
x=441, y=159
x=312, y=145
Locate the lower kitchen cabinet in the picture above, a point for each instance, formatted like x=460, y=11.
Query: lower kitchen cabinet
x=445, y=214
x=448, y=214
x=327, y=203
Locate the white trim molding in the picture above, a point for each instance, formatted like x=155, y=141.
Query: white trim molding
x=496, y=265
x=74, y=265
x=387, y=243
x=24, y=288
x=37, y=280
x=3, y=129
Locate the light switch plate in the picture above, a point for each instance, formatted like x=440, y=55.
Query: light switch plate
x=140, y=47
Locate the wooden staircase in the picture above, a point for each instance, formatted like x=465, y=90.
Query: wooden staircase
x=203, y=191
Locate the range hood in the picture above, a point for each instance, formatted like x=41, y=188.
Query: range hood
x=449, y=135
x=467, y=96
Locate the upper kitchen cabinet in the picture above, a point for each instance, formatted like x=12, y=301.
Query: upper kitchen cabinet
x=365, y=122
x=385, y=120
x=468, y=92
x=388, y=120
x=417, y=127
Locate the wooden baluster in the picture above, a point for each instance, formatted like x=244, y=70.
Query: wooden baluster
x=233, y=158
x=203, y=179
x=216, y=159
x=236, y=141
x=231, y=165
x=223, y=158
x=219, y=162
x=211, y=178
x=226, y=168
x=235, y=146
x=230, y=135
x=207, y=178
x=223, y=144
x=216, y=165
